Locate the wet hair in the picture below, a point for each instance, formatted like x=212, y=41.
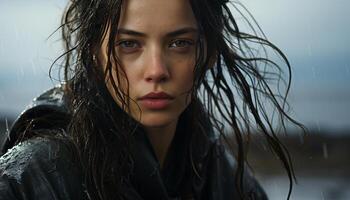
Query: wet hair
x=232, y=93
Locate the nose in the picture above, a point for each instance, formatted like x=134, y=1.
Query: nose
x=156, y=69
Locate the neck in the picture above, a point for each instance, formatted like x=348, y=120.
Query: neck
x=161, y=138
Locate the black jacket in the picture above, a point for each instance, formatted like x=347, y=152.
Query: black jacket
x=42, y=168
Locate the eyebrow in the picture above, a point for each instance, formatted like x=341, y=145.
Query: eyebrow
x=180, y=31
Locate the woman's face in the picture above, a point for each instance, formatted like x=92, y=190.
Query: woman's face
x=156, y=46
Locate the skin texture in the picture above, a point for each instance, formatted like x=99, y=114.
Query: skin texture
x=156, y=48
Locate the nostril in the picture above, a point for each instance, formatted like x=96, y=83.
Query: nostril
x=163, y=79
x=159, y=78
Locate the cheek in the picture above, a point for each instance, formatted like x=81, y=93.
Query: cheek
x=183, y=73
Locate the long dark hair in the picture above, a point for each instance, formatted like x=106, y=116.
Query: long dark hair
x=232, y=93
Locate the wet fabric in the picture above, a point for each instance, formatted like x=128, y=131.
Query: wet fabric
x=41, y=168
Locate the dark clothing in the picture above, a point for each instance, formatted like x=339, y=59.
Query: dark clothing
x=42, y=168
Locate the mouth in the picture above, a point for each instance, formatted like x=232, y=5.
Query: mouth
x=156, y=100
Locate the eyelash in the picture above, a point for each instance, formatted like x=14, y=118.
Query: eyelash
x=120, y=43
x=187, y=43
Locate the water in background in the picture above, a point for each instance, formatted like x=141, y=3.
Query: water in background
x=308, y=188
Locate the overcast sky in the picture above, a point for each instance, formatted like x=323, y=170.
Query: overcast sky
x=313, y=33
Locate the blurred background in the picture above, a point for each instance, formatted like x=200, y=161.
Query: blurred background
x=314, y=34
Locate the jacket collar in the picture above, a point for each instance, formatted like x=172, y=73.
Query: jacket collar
x=186, y=156
x=148, y=179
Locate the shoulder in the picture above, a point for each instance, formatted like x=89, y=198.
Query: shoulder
x=32, y=152
x=47, y=111
x=40, y=168
x=222, y=174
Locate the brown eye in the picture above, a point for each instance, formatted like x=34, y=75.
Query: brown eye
x=181, y=43
x=128, y=46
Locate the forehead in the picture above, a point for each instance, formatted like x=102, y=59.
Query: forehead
x=156, y=15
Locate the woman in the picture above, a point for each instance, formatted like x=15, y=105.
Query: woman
x=149, y=87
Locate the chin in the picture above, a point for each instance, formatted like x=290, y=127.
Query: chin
x=157, y=120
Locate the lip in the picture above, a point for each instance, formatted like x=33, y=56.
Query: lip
x=156, y=100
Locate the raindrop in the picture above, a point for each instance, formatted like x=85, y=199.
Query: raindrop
x=309, y=51
x=301, y=138
x=325, y=150
x=21, y=73
x=17, y=78
x=49, y=153
x=2, y=49
x=7, y=132
x=16, y=32
x=318, y=126
x=322, y=193
x=33, y=66
x=313, y=71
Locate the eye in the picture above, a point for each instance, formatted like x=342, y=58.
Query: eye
x=128, y=45
x=181, y=44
